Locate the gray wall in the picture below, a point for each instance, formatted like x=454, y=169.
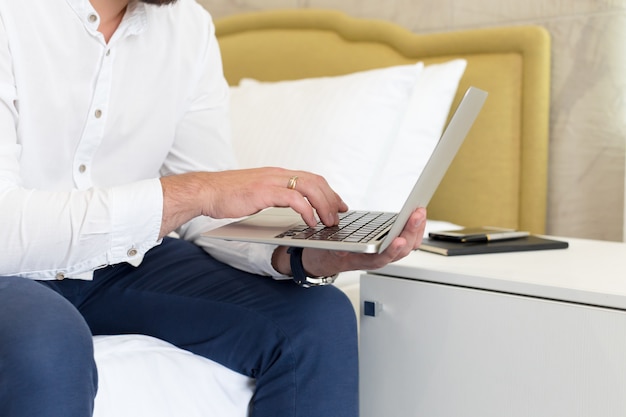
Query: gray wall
x=588, y=119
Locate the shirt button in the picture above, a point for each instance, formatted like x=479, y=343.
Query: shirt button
x=60, y=276
x=82, y=168
x=98, y=113
x=108, y=52
x=93, y=18
x=132, y=252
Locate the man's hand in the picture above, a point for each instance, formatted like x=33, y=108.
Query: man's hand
x=239, y=193
x=319, y=262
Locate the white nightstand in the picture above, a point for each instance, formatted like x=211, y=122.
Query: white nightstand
x=525, y=334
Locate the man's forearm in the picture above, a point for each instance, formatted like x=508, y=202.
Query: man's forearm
x=180, y=195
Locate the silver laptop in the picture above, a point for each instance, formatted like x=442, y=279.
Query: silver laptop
x=360, y=231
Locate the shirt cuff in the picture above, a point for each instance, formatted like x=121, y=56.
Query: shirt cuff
x=137, y=211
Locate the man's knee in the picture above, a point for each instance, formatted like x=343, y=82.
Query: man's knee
x=324, y=320
x=46, y=348
x=316, y=344
x=331, y=309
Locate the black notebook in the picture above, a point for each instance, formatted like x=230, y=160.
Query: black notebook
x=528, y=243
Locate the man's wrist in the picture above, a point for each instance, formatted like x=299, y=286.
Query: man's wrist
x=300, y=275
x=280, y=261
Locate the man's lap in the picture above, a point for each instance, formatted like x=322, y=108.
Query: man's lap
x=182, y=295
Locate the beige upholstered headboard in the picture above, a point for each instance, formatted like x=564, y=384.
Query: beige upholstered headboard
x=499, y=177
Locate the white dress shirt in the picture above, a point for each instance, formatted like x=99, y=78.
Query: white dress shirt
x=87, y=128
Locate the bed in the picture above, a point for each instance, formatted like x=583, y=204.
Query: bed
x=297, y=80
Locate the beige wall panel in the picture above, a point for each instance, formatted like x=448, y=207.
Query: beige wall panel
x=222, y=8
x=418, y=16
x=588, y=126
x=490, y=12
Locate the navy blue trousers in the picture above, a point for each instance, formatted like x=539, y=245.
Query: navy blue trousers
x=300, y=344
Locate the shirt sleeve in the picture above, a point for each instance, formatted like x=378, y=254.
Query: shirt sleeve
x=203, y=143
x=48, y=235
x=203, y=135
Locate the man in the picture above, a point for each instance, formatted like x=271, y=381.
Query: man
x=114, y=133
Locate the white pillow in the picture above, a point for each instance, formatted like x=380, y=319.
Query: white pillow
x=352, y=129
x=417, y=137
x=334, y=126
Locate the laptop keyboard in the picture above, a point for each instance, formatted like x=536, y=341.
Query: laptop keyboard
x=354, y=226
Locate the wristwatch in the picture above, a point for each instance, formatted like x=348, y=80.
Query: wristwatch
x=299, y=275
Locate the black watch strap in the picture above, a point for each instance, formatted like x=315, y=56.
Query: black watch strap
x=299, y=274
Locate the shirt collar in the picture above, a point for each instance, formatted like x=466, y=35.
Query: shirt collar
x=133, y=23
x=135, y=19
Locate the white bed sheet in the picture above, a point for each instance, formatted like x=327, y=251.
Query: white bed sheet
x=143, y=376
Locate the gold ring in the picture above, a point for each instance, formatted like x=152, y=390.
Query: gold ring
x=292, y=182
